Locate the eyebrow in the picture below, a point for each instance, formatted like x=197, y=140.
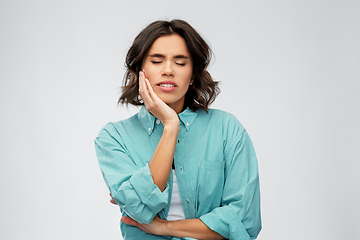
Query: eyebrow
x=163, y=56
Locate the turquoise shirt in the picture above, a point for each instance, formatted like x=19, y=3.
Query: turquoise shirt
x=215, y=165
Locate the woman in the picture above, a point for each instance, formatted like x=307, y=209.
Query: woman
x=178, y=169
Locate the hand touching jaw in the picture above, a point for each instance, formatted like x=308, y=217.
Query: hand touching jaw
x=155, y=105
x=168, y=67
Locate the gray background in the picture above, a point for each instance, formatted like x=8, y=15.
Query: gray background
x=289, y=71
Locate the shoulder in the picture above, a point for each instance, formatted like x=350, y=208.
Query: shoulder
x=226, y=120
x=116, y=129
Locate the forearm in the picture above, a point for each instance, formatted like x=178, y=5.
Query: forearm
x=161, y=161
x=193, y=228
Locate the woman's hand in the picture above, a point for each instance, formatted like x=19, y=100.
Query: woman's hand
x=156, y=227
x=154, y=104
x=112, y=199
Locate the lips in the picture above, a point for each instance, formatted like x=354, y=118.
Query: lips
x=167, y=86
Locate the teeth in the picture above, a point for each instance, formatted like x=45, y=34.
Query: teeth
x=166, y=85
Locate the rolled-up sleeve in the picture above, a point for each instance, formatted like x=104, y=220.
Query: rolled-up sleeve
x=131, y=186
x=238, y=217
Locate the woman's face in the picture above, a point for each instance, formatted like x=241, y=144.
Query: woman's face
x=168, y=66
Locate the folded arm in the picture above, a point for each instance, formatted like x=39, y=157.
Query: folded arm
x=131, y=186
x=239, y=215
x=193, y=228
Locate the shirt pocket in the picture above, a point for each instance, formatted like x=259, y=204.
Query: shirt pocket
x=210, y=185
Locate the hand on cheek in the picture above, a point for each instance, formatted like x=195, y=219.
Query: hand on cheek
x=154, y=104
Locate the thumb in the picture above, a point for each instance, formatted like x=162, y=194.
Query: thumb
x=129, y=221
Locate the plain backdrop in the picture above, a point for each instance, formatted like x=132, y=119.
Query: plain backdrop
x=289, y=71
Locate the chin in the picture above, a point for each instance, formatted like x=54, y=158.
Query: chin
x=167, y=100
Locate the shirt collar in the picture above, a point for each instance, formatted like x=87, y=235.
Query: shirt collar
x=187, y=118
x=147, y=120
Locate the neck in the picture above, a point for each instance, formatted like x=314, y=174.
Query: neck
x=178, y=107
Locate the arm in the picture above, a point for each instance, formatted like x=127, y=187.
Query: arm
x=238, y=216
x=161, y=161
x=131, y=185
x=139, y=191
x=193, y=228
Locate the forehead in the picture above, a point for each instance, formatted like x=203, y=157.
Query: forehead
x=169, y=45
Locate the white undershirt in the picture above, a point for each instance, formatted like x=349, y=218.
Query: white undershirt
x=176, y=210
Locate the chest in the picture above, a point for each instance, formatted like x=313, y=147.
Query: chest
x=199, y=165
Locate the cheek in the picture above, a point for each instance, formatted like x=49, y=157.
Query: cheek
x=148, y=72
x=145, y=69
x=187, y=74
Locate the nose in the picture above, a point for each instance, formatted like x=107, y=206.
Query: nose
x=168, y=70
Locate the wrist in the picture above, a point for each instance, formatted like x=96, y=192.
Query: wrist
x=168, y=228
x=172, y=127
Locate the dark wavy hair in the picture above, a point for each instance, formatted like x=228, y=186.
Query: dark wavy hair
x=204, y=89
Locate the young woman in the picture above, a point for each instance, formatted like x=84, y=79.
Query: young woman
x=178, y=169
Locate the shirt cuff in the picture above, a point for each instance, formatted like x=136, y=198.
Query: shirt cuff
x=148, y=192
x=224, y=221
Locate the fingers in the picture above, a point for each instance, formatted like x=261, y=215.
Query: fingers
x=129, y=221
x=147, y=93
x=141, y=81
x=143, y=89
x=152, y=94
x=112, y=199
x=151, y=98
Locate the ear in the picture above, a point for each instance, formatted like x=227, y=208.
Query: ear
x=192, y=80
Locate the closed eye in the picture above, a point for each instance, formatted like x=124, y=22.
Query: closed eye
x=156, y=62
x=181, y=64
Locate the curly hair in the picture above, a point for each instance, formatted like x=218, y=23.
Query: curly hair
x=204, y=89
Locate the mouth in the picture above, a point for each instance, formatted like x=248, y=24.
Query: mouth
x=167, y=86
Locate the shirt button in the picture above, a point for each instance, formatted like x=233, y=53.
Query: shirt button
x=149, y=129
x=178, y=140
x=188, y=201
x=158, y=121
x=181, y=169
x=187, y=124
